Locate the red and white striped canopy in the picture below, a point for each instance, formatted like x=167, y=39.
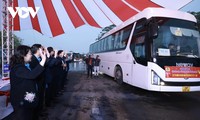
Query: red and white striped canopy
x=56, y=17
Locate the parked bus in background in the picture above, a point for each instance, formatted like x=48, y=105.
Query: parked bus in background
x=157, y=50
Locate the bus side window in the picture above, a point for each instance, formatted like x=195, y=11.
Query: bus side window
x=112, y=42
x=117, y=40
x=109, y=43
x=139, y=47
x=125, y=35
x=105, y=44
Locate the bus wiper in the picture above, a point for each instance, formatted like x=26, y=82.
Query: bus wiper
x=187, y=54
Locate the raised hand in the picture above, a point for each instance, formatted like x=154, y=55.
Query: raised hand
x=43, y=56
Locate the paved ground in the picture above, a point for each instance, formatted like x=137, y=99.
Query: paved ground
x=103, y=99
x=4, y=110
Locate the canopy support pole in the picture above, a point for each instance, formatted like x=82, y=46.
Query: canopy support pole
x=7, y=45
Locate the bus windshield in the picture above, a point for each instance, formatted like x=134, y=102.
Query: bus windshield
x=176, y=38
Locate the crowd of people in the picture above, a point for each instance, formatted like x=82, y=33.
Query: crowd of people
x=37, y=76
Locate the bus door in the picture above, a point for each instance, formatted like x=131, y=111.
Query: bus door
x=138, y=50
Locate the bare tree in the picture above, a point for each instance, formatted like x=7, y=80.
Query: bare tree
x=197, y=15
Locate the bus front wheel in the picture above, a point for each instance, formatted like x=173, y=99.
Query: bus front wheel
x=119, y=75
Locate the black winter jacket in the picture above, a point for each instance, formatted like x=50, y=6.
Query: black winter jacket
x=23, y=82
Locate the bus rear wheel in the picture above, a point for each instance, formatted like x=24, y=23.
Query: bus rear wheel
x=119, y=75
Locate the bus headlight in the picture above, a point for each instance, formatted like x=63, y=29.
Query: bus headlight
x=155, y=79
x=162, y=83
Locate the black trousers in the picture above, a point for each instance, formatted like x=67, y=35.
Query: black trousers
x=40, y=107
x=67, y=71
x=89, y=70
x=21, y=113
x=48, y=94
x=54, y=88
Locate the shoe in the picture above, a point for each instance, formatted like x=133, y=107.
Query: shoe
x=63, y=90
x=43, y=114
x=48, y=104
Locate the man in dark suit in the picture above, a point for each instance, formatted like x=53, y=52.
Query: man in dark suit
x=68, y=59
x=50, y=78
x=36, y=58
x=60, y=70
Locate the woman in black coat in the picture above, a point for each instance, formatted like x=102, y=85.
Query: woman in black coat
x=24, y=90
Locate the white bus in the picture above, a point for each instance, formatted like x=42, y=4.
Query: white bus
x=157, y=50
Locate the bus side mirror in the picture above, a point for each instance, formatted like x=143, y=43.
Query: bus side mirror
x=153, y=30
x=152, y=27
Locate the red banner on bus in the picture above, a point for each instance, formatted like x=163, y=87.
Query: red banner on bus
x=182, y=72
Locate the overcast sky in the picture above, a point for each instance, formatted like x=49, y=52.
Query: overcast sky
x=77, y=40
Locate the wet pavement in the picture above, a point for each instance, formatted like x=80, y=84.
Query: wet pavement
x=77, y=66
x=101, y=98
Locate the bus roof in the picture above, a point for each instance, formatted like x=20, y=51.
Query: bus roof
x=154, y=12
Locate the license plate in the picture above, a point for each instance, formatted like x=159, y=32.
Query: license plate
x=186, y=89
